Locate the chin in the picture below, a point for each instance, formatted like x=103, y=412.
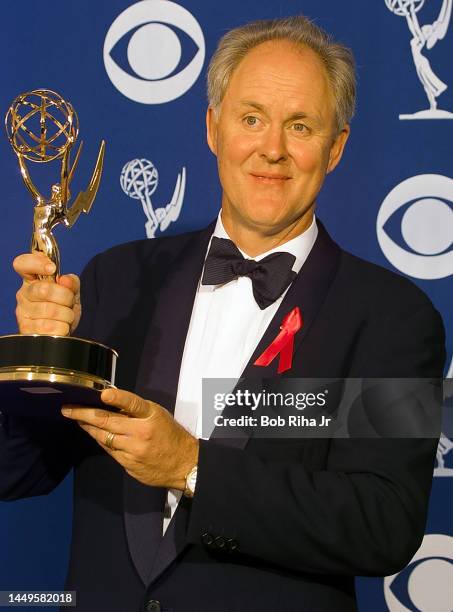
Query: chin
x=269, y=224
x=266, y=214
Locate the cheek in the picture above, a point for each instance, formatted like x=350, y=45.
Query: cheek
x=312, y=162
x=235, y=150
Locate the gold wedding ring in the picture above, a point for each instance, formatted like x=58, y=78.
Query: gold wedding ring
x=109, y=439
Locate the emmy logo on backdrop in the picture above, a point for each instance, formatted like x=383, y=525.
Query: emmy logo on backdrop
x=445, y=444
x=425, y=37
x=139, y=180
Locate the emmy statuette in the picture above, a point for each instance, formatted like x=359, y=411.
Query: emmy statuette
x=39, y=373
x=424, y=38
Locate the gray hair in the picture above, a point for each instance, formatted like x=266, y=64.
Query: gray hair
x=337, y=58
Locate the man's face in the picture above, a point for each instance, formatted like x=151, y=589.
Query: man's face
x=275, y=139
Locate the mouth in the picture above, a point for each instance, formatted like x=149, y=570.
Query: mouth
x=270, y=179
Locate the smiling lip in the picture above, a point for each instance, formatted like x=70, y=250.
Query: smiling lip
x=265, y=176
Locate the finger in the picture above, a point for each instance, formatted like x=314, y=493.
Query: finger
x=71, y=282
x=30, y=265
x=51, y=311
x=45, y=291
x=128, y=402
x=102, y=419
x=45, y=327
x=123, y=457
x=119, y=443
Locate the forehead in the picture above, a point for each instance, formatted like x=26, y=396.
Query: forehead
x=281, y=71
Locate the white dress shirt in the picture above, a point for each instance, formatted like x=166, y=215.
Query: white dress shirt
x=224, y=330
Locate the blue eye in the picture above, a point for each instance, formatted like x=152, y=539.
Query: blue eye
x=415, y=226
x=154, y=51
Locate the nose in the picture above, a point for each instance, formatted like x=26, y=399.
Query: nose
x=272, y=146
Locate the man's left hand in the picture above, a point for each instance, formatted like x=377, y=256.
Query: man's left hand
x=152, y=447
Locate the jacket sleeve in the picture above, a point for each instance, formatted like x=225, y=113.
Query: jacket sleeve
x=35, y=456
x=363, y=513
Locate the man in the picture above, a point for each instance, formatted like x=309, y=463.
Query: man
x=263, y=524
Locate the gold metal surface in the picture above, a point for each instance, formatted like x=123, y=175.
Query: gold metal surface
x=53, y=375
x=43, y=127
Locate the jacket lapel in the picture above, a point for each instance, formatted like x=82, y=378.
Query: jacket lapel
x=308, y=292
x=166, y=337
x=163, y=348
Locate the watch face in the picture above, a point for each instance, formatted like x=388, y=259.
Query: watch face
x=192, y=481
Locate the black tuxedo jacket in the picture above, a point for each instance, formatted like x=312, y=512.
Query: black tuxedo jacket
x=275, y=524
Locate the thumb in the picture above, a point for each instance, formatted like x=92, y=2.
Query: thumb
x=127, y=402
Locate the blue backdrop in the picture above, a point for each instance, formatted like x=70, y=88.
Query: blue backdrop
x=135, y=73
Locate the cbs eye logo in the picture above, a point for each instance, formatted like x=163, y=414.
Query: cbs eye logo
x=425, y=225
x=156, y=29
x=427, y=582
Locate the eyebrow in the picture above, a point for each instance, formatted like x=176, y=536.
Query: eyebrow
x=296, y=115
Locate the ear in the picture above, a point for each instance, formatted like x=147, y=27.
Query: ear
x=337, y=148
x=211, y=129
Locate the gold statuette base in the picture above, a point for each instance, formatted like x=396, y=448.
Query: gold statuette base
x=50, y=376
x=39, y=374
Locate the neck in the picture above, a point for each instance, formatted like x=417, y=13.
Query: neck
x=254, y=240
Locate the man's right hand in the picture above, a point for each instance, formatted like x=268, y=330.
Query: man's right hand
x=46, y=307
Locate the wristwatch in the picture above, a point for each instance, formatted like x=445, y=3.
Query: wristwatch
x=191, y=481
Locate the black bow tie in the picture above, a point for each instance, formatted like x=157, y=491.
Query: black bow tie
x=270, y=276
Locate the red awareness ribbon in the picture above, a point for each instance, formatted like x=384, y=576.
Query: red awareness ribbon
x=283, y=344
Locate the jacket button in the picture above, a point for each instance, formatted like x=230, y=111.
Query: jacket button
x=220, y=542
x=232, y=544
x=207, y=538
x=153, y=606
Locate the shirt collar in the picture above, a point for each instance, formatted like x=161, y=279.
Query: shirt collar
x=300, y=246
